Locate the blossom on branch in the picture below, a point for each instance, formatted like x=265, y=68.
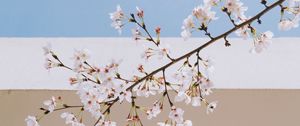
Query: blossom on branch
x=51, y=104
x=117, y=17
x=100, y=87
x=31, y=121
x=262, y=42
x=236, y=8
x=71, y=119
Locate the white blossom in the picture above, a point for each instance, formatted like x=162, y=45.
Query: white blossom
x=185, y=123
x=287, y=24
x=182, y=96
x=136, y=34
x=117, y=18
x=50, y=64
x=205, y=85
x=31, y=121
x=186, y=34
x=126, y=95
x=236, y=8
x=140, y=12
x=91, y=95
x=209, y=65
x=187, y=26
x=188, y=123
x=81, y=55
x=211, y=107
x=154, y=111
x=262, y=42
x=293, y=3
x=244, y=30
x=211, y=2
x=196, y=101
x=163, y=124
x=161, y=52
x=107, y=123
x=71, y=119
x=76, y=80
x=184, y=77
x=51, y=104
x=204, y=14
x=176, y=114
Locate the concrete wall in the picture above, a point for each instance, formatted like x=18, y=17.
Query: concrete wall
x=22, y=61
x=239, y=107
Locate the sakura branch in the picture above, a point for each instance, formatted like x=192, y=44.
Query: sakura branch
x=100, y=87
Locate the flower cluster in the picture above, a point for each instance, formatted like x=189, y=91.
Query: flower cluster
x=71, y=119
x=293, y=9
x=100, y=87
x=235, y=8
x=262, y=42
x=202, y=14
x=117, y=17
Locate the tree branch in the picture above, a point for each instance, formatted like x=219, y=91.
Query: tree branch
x=267, y=9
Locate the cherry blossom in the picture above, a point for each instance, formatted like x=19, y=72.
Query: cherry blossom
x=287, y=24
x=90, y=96
x=262, y=42
x=211, y=107
x=176, y=115
x=154, y=111
x=163, y=124
x=51, y=64
x=100, y=87
x=236, y=8
x=51, y=104
x=140, y=12
x=211, y=2
x=81, y=55
x=107, y=123
x=117, y=18
x=204, y=14
x=136, y=34
x=205, y=85
x=186, y=123
x=182, y=96
x=161, y=52
x=71, y=119
x=243, y=31
x=125, y=95
x=31, y=121
x=196, y=101
x=188, y=25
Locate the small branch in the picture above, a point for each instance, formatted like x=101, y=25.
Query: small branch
x=107, y=110
x=87, y=78
x=208, y=43
x=166, y=91
x=145, y=29
x=227, y=44
x=143, y=26
x=225, y=10
x=204, y=28
x=62, y=108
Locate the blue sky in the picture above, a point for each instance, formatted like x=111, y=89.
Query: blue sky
x=89, y=18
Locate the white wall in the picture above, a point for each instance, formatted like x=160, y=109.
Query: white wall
x=22, y=60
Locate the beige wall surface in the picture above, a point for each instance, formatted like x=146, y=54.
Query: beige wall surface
x=237, y=107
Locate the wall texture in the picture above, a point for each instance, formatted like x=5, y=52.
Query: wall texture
x=237, y=107
x=22, y=61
